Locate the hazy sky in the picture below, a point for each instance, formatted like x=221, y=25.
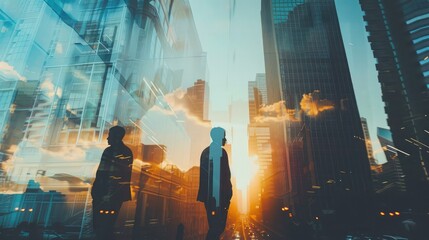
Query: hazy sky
x=230, y=33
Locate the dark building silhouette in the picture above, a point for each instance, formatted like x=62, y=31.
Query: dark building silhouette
x=305, y=61
x=399, y=37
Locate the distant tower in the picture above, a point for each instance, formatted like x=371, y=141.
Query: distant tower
x=368, y=142
x=197, y=99
x=392, y=178
x=259, y=146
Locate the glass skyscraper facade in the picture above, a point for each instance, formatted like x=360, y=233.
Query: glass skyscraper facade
x=306, y=62
x=70, y=70
x=399, y=37
x=89, y=66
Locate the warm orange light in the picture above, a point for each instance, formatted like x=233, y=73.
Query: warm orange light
x=382, y=214
x=312, y=106
x=397, y=213
x=107, y=212
x=22, y=209
x=317, y=218
x=286, y=209
x=112, y=212
x=30, y=210
x=213, y=213
x=290, y=215
x=391, y=214
x=101, y=211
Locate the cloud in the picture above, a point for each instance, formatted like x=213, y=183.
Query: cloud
x=276, y=112
x=176, y=103
x=8, y=71
x=171, y=123
x=311, y=105
x=49, y=89
x=80, y=75
x=80, y=161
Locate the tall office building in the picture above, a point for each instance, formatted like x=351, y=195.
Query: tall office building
x=399, y=37
x=259, y=146
x=392, y=178
x=255, y=100
x=257, y=92
x=197, y=98
x=306, y=66
x=261, y=84
x=23, y=51
x=368, y=142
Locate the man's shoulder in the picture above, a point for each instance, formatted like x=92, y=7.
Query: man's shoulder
x=107, y=150
x=206, y=150
x=205, y=153
x=126, y=148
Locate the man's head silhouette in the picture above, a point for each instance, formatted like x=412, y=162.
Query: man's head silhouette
x=116, y=134
x=218, y=135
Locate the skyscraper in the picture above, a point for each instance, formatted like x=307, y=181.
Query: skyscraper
x=368, y=142
x=399, y=37
x=306, y=67
x=262, y=186
x=257, y=92
x=392, y=177
x=23, y=52
x=197, y=98
x=255, y=100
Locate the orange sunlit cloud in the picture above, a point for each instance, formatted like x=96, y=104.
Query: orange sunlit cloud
x=311, y=105
x=276, y=112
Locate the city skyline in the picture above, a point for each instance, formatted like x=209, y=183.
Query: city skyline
x=219, y=25
x=323, y=103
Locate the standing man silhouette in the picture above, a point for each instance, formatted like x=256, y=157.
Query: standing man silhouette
x=112, y=184
x=215, y=189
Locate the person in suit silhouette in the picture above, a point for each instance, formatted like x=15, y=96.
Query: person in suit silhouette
x=112, y=184
x=215, y=189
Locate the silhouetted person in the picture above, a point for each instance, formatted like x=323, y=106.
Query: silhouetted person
x=112, y=184
x=215, y=189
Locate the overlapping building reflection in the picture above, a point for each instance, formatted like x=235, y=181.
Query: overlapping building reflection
x=70, y=70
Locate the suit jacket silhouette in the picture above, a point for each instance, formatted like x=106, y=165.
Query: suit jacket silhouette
x=206, y=183
x=114, y=174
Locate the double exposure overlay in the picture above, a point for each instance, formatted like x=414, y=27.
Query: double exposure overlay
x=109, y=108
